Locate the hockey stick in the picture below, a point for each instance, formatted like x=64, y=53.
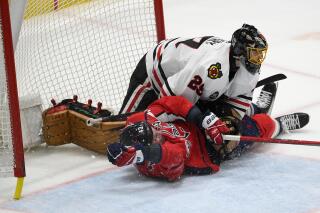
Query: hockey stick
x=111, y=118
x=270, y=140
x=273, y=78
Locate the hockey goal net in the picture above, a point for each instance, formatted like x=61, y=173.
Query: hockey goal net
x=87, y=48
x=83, y=47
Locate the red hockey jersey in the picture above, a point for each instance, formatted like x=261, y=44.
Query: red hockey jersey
x=183, y=147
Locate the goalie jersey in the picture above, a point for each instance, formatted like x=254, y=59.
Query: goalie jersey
x=198, y=69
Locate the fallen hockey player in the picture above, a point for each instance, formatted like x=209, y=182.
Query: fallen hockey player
x=173, y=137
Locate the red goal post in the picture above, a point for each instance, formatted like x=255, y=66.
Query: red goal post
x=11, y=146
x=87, y=48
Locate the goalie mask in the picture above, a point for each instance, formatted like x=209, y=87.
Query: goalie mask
x=250, y=46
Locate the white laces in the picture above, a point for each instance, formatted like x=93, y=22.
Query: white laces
x=290, y=122
x=264, y=99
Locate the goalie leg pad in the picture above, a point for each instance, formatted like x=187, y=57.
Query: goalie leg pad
x=66, y=123
x=56, y=128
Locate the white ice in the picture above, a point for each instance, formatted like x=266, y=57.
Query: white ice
x=271, y=178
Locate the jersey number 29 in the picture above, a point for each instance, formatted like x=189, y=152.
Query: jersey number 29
x=196, y=85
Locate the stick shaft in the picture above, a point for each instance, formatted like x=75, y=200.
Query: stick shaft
x=273, y=78
x=119, y=117
x=270, y=140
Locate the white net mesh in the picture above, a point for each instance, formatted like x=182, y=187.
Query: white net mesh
x=83, y=47
x=89, y=49
x=6, y=149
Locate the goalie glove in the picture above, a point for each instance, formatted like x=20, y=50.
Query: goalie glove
x=214, y=128
x=121, y=155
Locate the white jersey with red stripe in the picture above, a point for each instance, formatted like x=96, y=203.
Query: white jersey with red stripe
x=196, y=68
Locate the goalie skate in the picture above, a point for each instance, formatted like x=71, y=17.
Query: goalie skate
x=267, y=97
x=293, y=121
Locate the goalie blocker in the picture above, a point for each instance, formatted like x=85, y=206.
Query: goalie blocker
x=65, y=123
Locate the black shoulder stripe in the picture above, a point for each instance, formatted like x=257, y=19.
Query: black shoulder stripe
x=204, y=38
x=155, y=52
x=164, y=77
x=154, y=87
x=169, y=89
x=170, y=42
x=245, y=97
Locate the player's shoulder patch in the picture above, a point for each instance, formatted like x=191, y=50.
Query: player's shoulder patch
x=214, y=71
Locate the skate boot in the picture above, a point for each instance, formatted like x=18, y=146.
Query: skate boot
x=266, y=98
x=292, y=121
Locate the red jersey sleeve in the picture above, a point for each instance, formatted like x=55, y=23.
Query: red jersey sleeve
x=170, y=108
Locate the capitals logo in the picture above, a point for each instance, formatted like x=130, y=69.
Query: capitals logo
x=214, y=71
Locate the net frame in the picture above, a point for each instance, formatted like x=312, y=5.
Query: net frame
x=10, y=100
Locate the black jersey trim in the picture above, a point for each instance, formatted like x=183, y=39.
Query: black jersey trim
x=155, y=52
x=170, y=42
x=164, y=77
x=245, y=97
x=169, y=89
x=154, y=87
